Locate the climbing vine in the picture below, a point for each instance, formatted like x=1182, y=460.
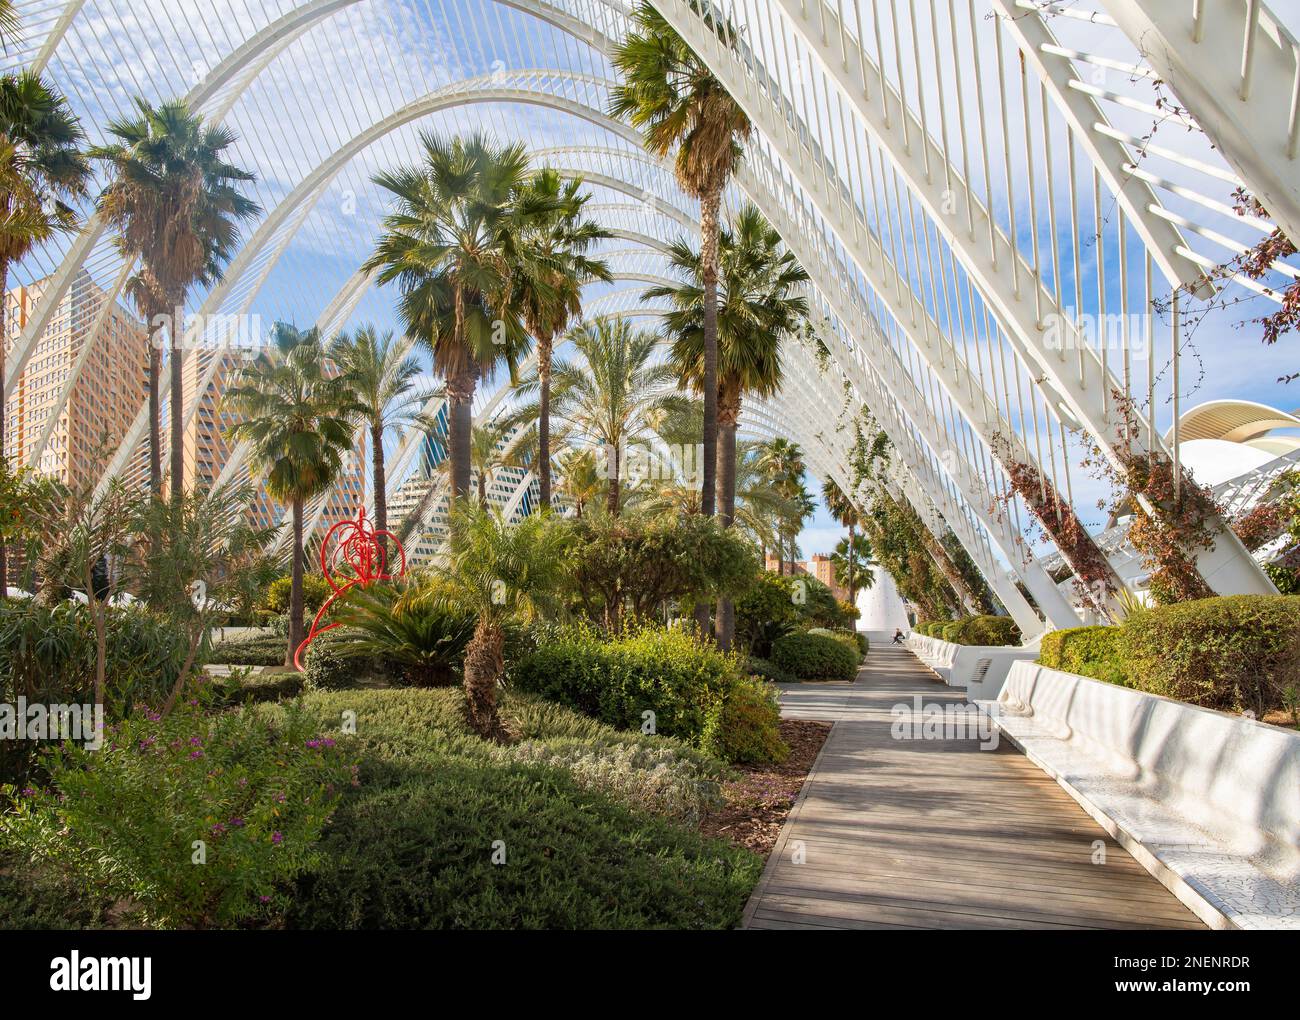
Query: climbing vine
x=1093, y=577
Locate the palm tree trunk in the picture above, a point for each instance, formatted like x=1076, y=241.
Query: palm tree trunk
x=295, y=585
x=155, y=413
x=379, y=482
x=482, y=490
x=176, y=409
x=614, y=490
x=484, y=663
x=544, y=420
x=4, y=307
x=460, y=393
x=709, y=206
x=725, y=625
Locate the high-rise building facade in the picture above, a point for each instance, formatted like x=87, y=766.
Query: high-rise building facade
x=103, y=401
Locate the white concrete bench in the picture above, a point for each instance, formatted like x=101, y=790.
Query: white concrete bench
x=979, y=670
x=1208, y=802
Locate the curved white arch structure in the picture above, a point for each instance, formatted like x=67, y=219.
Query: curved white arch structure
x=964, y=214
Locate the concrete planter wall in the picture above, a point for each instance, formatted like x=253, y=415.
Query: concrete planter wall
x=980, y=670
x=1208, y=802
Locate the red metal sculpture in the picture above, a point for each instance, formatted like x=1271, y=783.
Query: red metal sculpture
x=356, y=545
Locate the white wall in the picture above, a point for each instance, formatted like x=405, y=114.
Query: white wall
x=881, y=606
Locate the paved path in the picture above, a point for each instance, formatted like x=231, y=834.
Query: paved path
x=937, y=833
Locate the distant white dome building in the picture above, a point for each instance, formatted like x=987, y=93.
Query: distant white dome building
x=880, y=606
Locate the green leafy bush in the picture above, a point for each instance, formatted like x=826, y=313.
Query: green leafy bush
x=766, y=612
x=666, y=672
x=315, y=590
x=845, y=637
x=1088, y=651
x=991, y=631
x=325, y=667
x=255, y=650
x=656, y=779
x=931, y=628
x=449, y=831
x=765, y=669
x=414, y=630
x=196, y=819
x=746, y=729
x=47, y=655
x=815, y=657
x=1235, y=652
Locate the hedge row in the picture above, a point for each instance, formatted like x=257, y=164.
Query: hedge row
x=660, y=678
x=1235, y=652
x=973, y=630
x=812, y=656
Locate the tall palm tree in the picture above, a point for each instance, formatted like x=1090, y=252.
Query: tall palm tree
x=613, y=393
x=849, y=554
x=175, y=203
x=682, y=109
x=42, y=169
x=296, y=414
x=783, y=462
x=382, y=374
x=452, y=244
x=839, y=506
x=548, y=285
x=760, y=506
x=759, y=306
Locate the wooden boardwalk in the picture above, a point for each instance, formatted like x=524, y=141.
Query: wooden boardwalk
x=937, y=833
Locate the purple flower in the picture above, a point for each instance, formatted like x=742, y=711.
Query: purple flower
x=195, y=742
x=238, y=823
x=28, y=792
x=218, y=829
x=196, y=754
x=264, y=899
x=277, y=837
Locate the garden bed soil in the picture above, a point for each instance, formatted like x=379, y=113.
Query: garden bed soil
x=758, y=802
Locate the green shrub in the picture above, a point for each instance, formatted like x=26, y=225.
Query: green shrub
x=765, y=669
x=472, y=845
x=993, y=631
x=326, y=668
x=766, y=612
x=1235, y=652
x=655, y=779
x=666, y=672
x=815, y=657
x=123, y=821
x=47, y=655
x=845, y=637
x=315, y=590
x=256, y=650
x=585, y=816
x=747, y=728
x=931, y=628
x=1088, y=651
x=414, y=630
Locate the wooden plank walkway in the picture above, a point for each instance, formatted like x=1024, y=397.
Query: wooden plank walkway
x=937, y=833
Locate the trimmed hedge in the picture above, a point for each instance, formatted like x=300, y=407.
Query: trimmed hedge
x=1234, y=652
x=257, y=650
x=1088, y=651
x=815, y=657
x=991, y=631
x=684, y=683
x=765, y=669
x=931, y=628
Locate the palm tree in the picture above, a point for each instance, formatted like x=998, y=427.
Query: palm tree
x=782, y=461
x=839, y=506
x=382, y=375
x=452, y=244
x=671, y=95
x=613, y=394
x=849, y=554
x=296, y=415
x=548, y=286
x=176, y=206
x=41, y=169
x=580, y=478
x=499, y=571
x=760, y=506
x=758, y=308
x=494, y=446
